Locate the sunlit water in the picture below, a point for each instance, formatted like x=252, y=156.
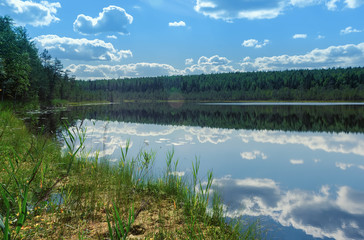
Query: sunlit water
x=300, y=184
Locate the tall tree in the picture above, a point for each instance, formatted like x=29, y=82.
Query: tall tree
x=15, y=60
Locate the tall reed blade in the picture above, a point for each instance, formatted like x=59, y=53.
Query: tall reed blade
x=5, y=226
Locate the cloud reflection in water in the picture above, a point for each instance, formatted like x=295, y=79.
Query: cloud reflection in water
x=336, y=213
x=337, y=143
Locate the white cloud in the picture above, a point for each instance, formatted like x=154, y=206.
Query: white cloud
x=253, y=155
x=214, y=64
x=299, y=35
x=111, y=19
x=81, y=49
x=332, y=4
x=214, y=60
x=296, y=161
x=204, y=65
x=304, y=3
x=254, y=43
x=30, y=12
x=334, y=56
x=334, y=214
x=349, y=30
x=229, y=10
x=189, y=61
x=320, y=37
x=354, y=3
x=250, y=43
x=177, y=24
x=246, y=59
x=112, y=37
x=84, y=71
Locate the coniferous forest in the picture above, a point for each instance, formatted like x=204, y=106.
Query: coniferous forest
x=28, y=74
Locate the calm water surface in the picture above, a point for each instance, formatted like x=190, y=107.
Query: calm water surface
x=297, y=168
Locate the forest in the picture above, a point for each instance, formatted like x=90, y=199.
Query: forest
x=28, y=74
x=336, y=84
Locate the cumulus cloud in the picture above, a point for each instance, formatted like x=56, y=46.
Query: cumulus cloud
x=229, y=10
x=81, y=49
x=214, y=64
x=30, y=12
x=349, y=30
x=299, y=35
x=253, y=155
x=189, y=61
x=214, y=60
x=204, y=65
x=177, y=24
x=335, y=214
x=254, y=43
x=334, y=56
x=84, y=71
x=111, y=19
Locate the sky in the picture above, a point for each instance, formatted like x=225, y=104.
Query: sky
x=143, y=38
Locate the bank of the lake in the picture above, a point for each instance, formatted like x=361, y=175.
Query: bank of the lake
x=46, y=194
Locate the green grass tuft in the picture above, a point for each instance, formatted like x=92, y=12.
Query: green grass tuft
x=45, y=194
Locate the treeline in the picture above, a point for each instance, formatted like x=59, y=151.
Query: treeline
x=345, y=84
x=26, y=75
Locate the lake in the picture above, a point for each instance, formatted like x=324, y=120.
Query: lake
x=297, y=168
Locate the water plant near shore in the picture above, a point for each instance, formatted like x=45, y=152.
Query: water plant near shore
x=76, y=196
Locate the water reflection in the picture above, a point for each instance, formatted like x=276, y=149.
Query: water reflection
x=336, y=213
x=338, y=143
x=328, y=118
x=302, y=166
x=295, y=178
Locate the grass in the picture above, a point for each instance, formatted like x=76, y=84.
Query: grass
x=45, y=194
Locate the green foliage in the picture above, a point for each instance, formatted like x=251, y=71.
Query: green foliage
x=23, y=168
x=46, y=195
x=120, y=229
x=336, y=84
x=23, y=74
x=15, y=59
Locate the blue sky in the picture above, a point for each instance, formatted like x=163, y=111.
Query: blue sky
x=138, y=38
